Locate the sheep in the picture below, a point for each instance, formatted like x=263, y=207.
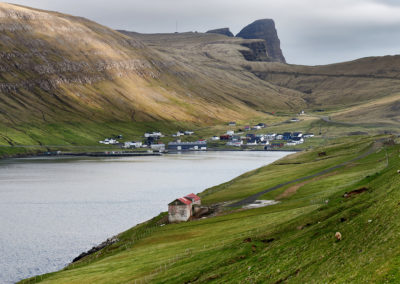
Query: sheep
x=338, y=236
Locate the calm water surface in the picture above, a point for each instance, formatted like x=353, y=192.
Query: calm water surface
x=52, y=209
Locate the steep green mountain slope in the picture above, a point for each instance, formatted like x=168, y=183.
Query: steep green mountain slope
x=59, y=69
x=291, y=242
x=68, y=80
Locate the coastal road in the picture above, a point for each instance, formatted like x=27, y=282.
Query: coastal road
x=254, y=197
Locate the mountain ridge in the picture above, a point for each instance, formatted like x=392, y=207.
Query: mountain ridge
x=58, y=68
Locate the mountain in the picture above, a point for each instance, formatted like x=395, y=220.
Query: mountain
x=222, y=31
x=265, y=29
x=342, y=84
x=59, y=74
x=59, y=68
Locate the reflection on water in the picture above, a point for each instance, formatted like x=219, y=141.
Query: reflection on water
x=52, y=209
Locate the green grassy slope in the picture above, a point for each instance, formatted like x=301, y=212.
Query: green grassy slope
x=58, y=71
x=290, y=242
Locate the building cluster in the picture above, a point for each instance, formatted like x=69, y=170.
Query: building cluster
x=152, y=142
x=111, y=141
x=270, y=140
x=244, y=137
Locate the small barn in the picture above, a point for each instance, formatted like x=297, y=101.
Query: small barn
x=181, y=209
x=196, y=200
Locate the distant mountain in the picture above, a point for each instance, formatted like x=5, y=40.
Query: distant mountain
x=265, y=29
x=223, y=31
x=57, y=69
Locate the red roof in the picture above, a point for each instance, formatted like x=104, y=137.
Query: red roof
x=185, y=201
x=193, y=196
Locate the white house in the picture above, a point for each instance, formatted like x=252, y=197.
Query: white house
x=158, y=147
x=153, y=134
x=230, y=132
x=109, y=141
x=133, y=144
x=178, y=134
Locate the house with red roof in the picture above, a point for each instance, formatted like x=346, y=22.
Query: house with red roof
x=194, y=198
x=181, y=209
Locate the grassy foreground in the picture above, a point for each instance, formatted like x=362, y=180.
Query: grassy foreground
x=291, y=242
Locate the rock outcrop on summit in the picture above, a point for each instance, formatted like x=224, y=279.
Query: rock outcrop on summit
x=265, y=29
x=223, y=31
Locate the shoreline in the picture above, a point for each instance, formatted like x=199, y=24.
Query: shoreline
x=100, y=244
x=132, y=154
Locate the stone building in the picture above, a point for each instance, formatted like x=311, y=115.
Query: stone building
x=181, y=209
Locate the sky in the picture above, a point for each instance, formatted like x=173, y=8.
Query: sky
x=312, y=32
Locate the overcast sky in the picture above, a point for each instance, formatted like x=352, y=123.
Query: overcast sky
x=311, y=31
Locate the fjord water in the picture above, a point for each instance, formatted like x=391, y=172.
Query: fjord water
x=52, y=209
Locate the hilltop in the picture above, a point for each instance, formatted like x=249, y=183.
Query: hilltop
x=265, y=29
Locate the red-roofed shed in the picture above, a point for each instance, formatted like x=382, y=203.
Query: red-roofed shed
x=179, y=210
x=194, y=198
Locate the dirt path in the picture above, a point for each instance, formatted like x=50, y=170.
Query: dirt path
x=294, y=188
x=254, y=197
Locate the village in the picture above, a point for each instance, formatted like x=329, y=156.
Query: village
x=247, y=137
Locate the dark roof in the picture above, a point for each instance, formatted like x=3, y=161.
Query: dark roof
x=182, y=200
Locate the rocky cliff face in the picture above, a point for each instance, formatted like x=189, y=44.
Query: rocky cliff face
x=223, y=31
x=257, y=51
x=265, y=29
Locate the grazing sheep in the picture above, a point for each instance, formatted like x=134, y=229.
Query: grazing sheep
x=398, y=171
x=338, y=236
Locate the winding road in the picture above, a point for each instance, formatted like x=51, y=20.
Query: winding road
x=254, y=197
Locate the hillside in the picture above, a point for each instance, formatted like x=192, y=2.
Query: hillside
x=332, y=88
x=61, y=70
x=336, y=85
x=354, y=191
x=67, y=80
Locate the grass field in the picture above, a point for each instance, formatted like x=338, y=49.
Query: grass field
x=291, y=242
